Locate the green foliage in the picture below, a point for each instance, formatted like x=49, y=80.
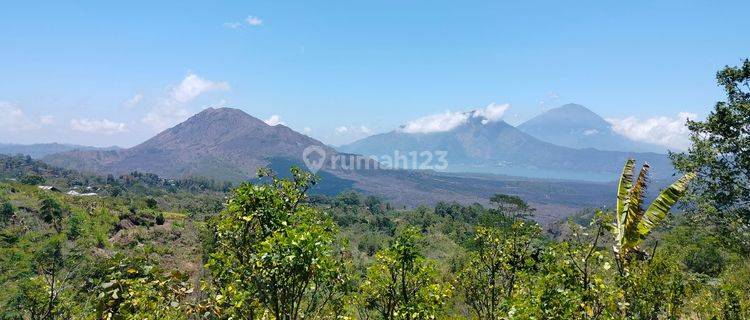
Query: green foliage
x=151, y=203
x=160, y=218
x=402, y=284
x=721, y=159
x=633, y=223
x=511, y=206
x=273, y=252
x=490, y=277
x=52, y=212
x=32, y=179
x=705, y=260
x=6, y=211
x=138, y=289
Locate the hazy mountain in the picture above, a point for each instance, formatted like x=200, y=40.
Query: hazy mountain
x=497, y=147
x=40, y=150
x=575, y=126
x=224, y=144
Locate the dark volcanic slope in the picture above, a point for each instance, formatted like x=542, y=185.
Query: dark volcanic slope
x=225, y=144
x=575, y=126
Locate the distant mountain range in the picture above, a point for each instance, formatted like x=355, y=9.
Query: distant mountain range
x=228, y=144
x=40, y=150
x=480, y=145
x=575, y=126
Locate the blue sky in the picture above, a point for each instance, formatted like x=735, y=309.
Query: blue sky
x=102, y=73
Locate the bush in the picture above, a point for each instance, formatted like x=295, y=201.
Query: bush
x=160, y=218
x=706, y=260
x=6, y=211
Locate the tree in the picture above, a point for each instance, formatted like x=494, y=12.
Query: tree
x=52, y=263
x=632, y=223
x=52, y=213
x=489, y=278
x=6, y=211
x=151, y=203
x=721, y=158
x=272, y=252
x=402, y=284
x=374, y=204
x=511, y=206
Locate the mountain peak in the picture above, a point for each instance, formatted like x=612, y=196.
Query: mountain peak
x=573, y=125
x=573, y=107
x=224, y=113
x=224, y=143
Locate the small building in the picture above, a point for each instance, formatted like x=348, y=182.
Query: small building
x=78, y=194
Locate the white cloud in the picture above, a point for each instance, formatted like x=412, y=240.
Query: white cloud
x=666, y=131
x=173, y=108
x=102, y=126
x=165, y=115
x=273, y=120
x=549, y=101
x=449, y=120
x=47, y=120
x=253, y=21
x=357, y=131
x=192, y=86
x=14, y=119
x=232, y=25
x=589, y=132
x=342, y=129
x=491, y=113
x=134, y=101
x=307, y=130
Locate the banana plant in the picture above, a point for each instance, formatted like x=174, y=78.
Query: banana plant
x=632, y=223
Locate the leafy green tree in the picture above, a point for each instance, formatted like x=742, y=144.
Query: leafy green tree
x=402, y=284
x=273, y=252
x=511, y=206
x=349, y=198
x=32, y=179
x=52, y=212
x=374, y=204
x=632, y=223
x=721, y=158
x=31, y=300
x=151, y=203
x=6, y=211
x=491, y=274
x=76, y=223
x=52, y=263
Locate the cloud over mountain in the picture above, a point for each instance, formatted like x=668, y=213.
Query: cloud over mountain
x=662, y=130
x=173, y=108
x=449, y=120
x=102, y=126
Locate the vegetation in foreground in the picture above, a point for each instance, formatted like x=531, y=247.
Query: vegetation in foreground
x=148, y=248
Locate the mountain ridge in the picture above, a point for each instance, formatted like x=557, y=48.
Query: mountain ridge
x=497, y=147
x=40, y=150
